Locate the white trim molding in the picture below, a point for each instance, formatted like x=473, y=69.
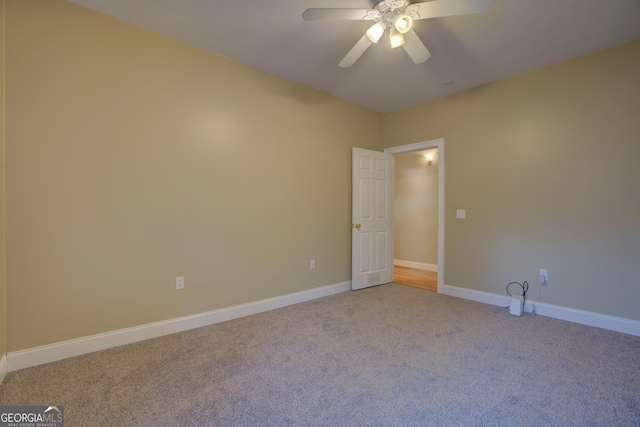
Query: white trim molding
x=50, y=353
x=618, y=324
x=417, y=146
x=3, y=368
x=425, y=145
x=418, y=265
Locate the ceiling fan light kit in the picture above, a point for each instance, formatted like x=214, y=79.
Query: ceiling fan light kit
x=396, y=39
x=376, y=31
x=402, y=22
x=398, y=17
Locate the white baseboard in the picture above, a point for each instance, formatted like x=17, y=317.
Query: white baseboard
x=618, y=324
x=3, y=368
x=473, y=295
x=418, y=265
x=50, y=353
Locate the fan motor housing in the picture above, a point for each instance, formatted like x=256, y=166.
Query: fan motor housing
x=383, y=6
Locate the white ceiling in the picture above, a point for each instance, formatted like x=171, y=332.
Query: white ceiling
x=513, y=37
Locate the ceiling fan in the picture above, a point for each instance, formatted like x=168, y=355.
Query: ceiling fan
x=395, y=17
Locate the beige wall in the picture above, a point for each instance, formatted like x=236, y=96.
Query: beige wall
x=546, y=165
x=3, y=346
x=133, y=159
x=415, y=208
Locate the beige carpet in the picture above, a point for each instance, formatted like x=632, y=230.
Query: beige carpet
x=386, y=356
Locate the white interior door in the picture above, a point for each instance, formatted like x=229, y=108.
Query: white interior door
x=371, y=229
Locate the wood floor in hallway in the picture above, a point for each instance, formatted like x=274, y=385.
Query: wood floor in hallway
x=424, y=279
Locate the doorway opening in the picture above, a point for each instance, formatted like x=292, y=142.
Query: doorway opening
x=419, y=236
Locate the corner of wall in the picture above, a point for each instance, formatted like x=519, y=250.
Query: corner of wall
x=3, y=338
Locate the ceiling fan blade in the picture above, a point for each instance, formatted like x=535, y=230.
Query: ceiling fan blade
x=335, y=14
x=415, y=48
x=355, y=52
x=439, y=8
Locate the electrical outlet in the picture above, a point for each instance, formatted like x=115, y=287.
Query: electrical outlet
x=544, y=276
x=461, y=213
x=179, y=283
x=312, y=264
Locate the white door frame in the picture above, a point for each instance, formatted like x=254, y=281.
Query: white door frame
x=425, y=145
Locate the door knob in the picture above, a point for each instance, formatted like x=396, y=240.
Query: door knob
x=358, y=226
